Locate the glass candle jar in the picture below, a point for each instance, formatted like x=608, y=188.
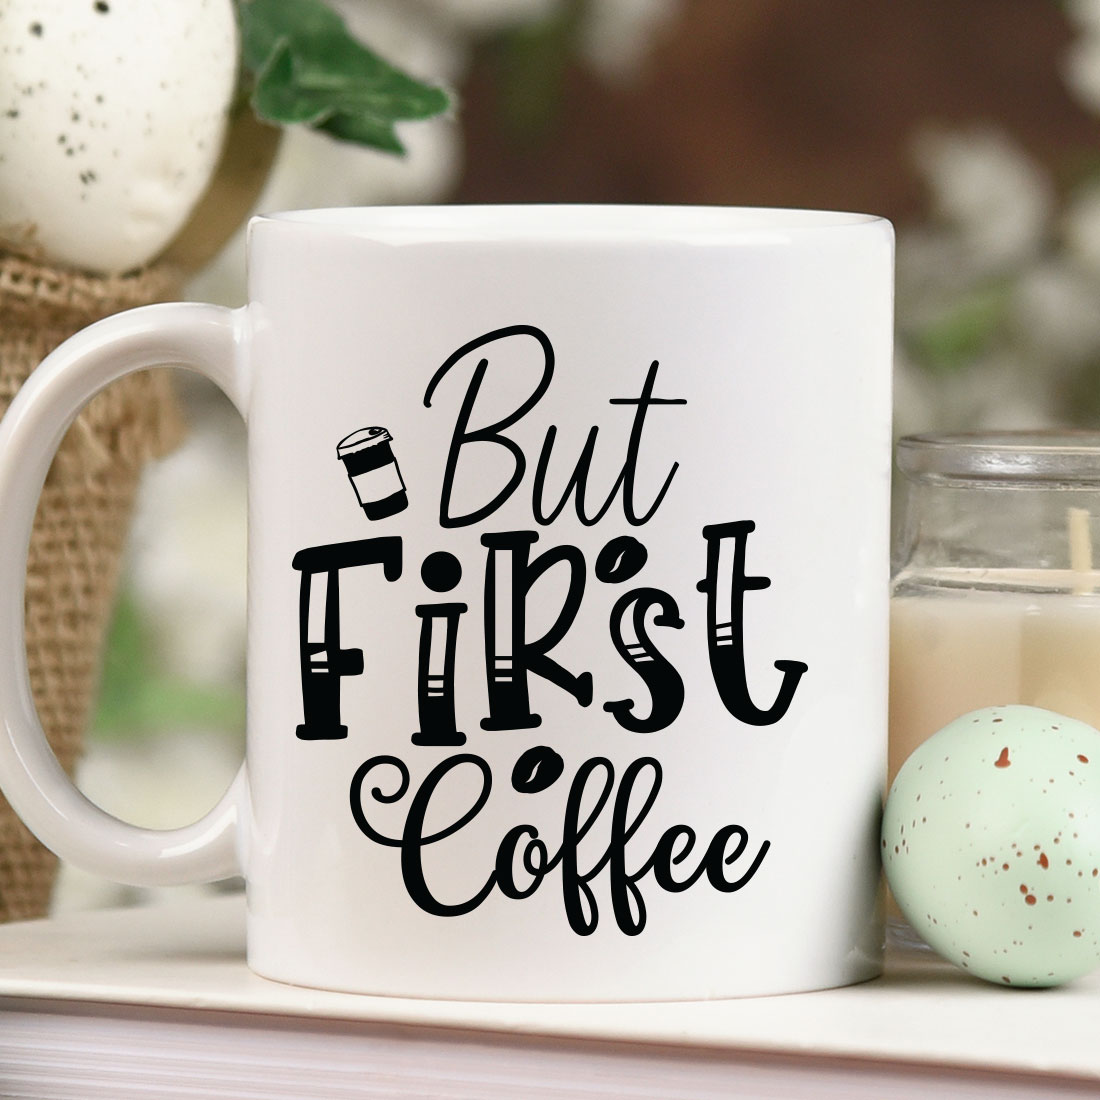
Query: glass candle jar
x=995, y=598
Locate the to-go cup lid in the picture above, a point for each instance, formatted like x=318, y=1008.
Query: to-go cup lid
x=364, y=437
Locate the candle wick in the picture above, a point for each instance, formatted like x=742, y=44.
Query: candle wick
x=1080, y=549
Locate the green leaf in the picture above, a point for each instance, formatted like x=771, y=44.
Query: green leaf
x=265, y=22
x=960, y=335
x=308, y=70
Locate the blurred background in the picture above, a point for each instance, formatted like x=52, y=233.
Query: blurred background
x=972, y=126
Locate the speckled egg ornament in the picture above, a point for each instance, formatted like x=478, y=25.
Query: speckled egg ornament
x=112, y=114
x=991, y=844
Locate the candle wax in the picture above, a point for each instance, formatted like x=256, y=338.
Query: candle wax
x=955, y=650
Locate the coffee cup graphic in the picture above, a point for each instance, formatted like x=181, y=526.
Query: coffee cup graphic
x=373, y=472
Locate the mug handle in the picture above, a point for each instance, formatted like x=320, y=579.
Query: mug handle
x=211, y=340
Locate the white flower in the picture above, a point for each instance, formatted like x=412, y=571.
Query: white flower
x=1081, y=64
x=1081, y=229
x=616, y=35
x=480, y=16
x=1081, y=69
x=934, y=267
x=1003, y=392
x=987, y=192
x=1055, y=312
x=1085, y=13
x=410, y=35
x=313, y=170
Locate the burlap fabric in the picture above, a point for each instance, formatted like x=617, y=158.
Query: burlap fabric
x=81, y=525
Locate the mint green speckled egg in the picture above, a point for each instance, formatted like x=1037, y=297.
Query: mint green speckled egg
x=991, y=844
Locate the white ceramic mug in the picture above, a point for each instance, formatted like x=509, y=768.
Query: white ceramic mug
x=567, y=599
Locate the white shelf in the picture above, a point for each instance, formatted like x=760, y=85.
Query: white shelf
x=190, y=958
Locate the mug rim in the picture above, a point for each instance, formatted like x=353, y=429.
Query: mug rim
x=556, y=222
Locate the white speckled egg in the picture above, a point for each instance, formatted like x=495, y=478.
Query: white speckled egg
x=991, y=844
x=112, y=114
